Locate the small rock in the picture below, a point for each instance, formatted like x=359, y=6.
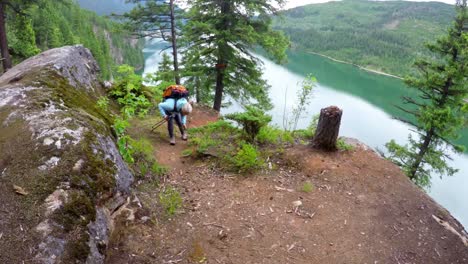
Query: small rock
x=20, y=190
x=78, y=165
x=48, y=141
x=297, y=203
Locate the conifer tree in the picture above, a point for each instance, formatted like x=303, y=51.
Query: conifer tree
x=220, y=36
x=165, y=72
x=156, y=19
x=441, y=110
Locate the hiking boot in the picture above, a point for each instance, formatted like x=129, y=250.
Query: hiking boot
x=172, y=140
x=184, y=136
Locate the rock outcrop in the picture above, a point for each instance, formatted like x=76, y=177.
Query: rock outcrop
x=61, y=175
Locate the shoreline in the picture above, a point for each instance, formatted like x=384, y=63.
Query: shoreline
x=356, y=65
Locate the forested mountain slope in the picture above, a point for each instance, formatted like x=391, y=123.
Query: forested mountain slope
x=51, y=24
x=106, y=7
x=385, y=36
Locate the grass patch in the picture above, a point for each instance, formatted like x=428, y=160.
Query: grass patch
x=170, y=199
x=274, y=136
x=307, y=187
x=342, y=145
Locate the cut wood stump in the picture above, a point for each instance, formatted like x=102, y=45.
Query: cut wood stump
x=328, y=129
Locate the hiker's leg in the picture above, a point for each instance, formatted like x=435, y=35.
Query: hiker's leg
x=181, y=126
x=170, y=126
x=178, y=120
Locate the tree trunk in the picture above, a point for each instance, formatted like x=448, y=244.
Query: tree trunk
x=6, y=59
x=328, y=129
x=222, y=63
x=422, y=152
x=219, y=88
x=174, y=44
x=197, y=89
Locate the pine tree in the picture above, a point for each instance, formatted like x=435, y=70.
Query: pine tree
x=165, y=72
x=440, y=111
x=221, y=34
x=156, y=19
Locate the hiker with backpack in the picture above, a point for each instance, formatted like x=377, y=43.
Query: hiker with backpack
x=175, y=106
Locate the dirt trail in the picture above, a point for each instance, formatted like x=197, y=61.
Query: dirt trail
x=362, y=209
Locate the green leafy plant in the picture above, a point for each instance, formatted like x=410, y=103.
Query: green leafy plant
x=103, y=103
x=309, y=132
x=303, y=97
x=130, y=93
x=247, y=158
x=342, y=145
x=170, y=199
x=252, y=120
x=274, y=136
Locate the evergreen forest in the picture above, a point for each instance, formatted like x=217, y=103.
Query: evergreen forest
x=49, y=24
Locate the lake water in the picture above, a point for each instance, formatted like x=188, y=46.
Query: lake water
x=367, y=101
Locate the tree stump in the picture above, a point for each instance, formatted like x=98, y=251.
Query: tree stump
x=328, y=128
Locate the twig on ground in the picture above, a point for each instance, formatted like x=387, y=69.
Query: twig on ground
x=214, y=224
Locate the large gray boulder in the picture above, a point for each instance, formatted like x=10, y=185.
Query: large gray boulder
x=58, y=150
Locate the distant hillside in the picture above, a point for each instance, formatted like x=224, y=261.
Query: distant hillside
x=105, y=7
x=384, y=36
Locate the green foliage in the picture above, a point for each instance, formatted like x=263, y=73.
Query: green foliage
x=165, y=71
x=309, y=132
x=103, y=103
x=274, y=136
x=163, y=78
x=252, y=120
x=307, y=187
x=440, y=111
x=142, y=152
x=170, y=199
x=342, y=145
x=219, y=37
x=21, y=37
x=211, y=139
x=49, y=24
x=247, y=158
x=304, y=95
x=128, y=89
x=381, y=35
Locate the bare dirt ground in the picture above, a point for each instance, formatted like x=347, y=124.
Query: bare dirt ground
x=362, y=209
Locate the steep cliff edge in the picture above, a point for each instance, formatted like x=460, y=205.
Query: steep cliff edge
x=61, y=175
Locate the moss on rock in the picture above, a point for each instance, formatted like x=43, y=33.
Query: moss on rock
x=58, y=145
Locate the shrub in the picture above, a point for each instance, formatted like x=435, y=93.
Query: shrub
x=247, y=158
x=130, y=92
x=252, y=120
x=170, y=199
